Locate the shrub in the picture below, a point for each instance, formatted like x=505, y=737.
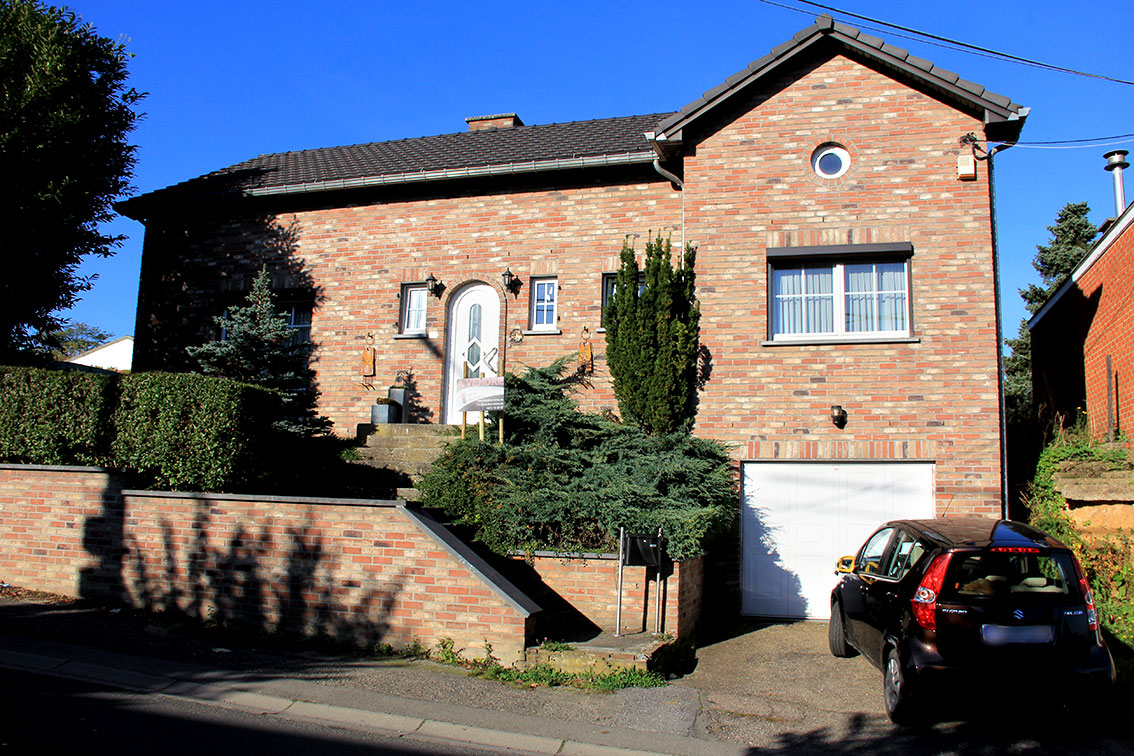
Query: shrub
x=566, y=480
x=1108, y=561
x=191, y=432
x=56, y=417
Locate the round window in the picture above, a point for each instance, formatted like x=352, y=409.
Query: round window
x=830, y=160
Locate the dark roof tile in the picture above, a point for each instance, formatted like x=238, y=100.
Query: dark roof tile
x=867, y=39
x=944, y=74
x=468, y=149
x=898, y=52
x=971, y=86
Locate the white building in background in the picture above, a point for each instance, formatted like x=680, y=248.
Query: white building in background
x=115, y=355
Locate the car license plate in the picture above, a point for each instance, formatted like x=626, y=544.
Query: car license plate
x=1002, y=635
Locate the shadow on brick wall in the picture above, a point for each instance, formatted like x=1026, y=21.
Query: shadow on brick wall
x=238, y=583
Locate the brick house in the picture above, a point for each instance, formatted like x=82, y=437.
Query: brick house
x=845, y=258
x=1083, y=336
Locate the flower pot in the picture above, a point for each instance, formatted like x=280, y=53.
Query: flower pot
x=382, y=414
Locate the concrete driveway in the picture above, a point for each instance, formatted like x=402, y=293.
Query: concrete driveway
x=777, y=688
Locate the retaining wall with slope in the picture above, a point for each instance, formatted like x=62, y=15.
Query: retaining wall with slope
x=361, y=571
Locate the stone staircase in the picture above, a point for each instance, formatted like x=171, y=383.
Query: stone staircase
x=408, y=448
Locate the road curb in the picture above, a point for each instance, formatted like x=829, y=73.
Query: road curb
x=226, y=695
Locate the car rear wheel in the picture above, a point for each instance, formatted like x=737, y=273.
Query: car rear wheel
x=837, y=634
x=898, y=692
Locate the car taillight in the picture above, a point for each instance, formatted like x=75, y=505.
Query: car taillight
x=924, y=601
x=1014, y=550
x=1092, y=612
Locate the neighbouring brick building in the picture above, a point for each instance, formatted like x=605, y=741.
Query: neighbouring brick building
x=845, y=258
x=1083, y=336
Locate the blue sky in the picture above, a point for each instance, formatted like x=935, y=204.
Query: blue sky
x=231, y=80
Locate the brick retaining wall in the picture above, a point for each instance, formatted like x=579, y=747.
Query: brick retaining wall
x=590, y=584
x=356, y=570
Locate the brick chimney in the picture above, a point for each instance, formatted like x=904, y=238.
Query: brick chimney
x=498, y=121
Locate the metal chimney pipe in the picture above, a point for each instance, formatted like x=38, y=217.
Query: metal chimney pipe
x=1115, y=162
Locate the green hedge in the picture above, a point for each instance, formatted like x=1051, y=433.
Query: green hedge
x=191, y=432
x=176, y=431
x=55, y=417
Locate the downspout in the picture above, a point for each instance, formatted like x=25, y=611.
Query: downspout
x=971, y=140
x=680, y=186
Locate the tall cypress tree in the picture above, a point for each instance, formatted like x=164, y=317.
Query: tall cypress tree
x=653, y=337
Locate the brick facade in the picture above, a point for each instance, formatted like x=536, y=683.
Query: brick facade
x=748, y=187
x=1091, y=319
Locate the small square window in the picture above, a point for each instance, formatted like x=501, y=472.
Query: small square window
x=299, y=320
x=544, y=304
x=609, y=280
x=414, y=306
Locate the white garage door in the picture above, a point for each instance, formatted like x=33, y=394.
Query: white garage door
x=797, y=518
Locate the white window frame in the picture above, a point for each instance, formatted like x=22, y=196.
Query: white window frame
x=410, y=292
x=829, y=259
x=538, y=285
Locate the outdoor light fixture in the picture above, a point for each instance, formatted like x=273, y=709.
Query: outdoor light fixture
x=511, y=280
x=838, y=416
x=433, y=286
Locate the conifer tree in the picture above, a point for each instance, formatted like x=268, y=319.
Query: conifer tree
x=259, y=347
x=652, y=338
x=1071, y=237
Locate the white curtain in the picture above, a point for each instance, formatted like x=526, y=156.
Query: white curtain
x=803, y=300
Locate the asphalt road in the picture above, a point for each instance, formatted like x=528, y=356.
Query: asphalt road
x=50, y=715
x=755, y=689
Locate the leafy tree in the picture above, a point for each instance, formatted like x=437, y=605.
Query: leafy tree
x=75, y=338
x=65, y=113
x=652, y=338
x=259, y=347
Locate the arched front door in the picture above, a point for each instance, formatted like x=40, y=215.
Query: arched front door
x=474, y=342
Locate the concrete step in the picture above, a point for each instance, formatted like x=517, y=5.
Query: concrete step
x=410, y=448
x=413, y=430
x=604, y=653
x=1115, y=487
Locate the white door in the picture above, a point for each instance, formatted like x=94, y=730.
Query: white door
x=474, y=342
x=797, y=518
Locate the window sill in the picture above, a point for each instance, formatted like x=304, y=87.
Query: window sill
x=421, y=335
x=832, y=341
x=543, y=332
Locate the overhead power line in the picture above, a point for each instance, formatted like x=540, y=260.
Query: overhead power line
x=953, y=43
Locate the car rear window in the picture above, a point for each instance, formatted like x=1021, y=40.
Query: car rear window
x=994, y=575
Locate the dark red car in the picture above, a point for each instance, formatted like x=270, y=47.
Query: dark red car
x=967, y=600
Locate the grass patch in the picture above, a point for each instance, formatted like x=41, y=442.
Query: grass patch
x=543, y=675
